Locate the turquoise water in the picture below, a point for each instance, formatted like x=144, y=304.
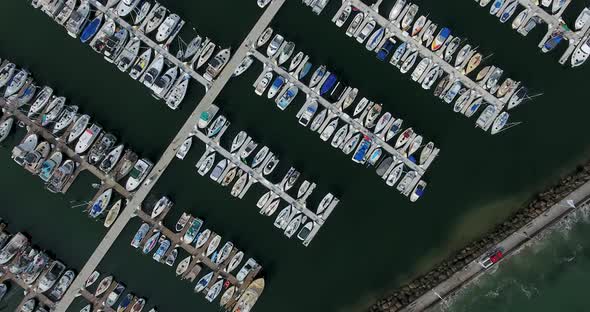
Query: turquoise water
x=375, y=239
x=551, y=274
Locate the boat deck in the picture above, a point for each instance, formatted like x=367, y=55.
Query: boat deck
x=169, y=154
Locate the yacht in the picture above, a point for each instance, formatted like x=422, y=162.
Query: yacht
x=216, y=65
x=16, y=83
x=396, y=9
x=581, y=54
x=115, y=45
x=264, y=37
x=343, y=17
x=184, y=148
x=287, y=97
x=178, y=92
x=5, y=128
x=141, y=64
x=308, y=113
x=54, y=111
x=78, y=19
x=100, y=204
x=206, y=116
x=153, y=71
x=14, y=245
x=100, y=149
x=286, y=52
x=167, y=27
x=48, y=279
x=375, y=39
x=87, y=138
x=163, y=203
x=6, y=74
x=61, y=176
x=355, y=24
x=582, y=19
x=114, y=295
x=205, y=55
x=244, y=65
x=163, y=83
x=138, y=174
x=78, y=128
x=67, y=117
x=366, y=31
x=111, y=159
x=126, y=6
x=275, y=44
x=418, y=191
x=406, y=22
x=263, y=83
x=50, y=165
x=91, y=29
x=155, y=19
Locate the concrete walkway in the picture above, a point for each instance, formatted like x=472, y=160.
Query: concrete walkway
x=579, y=197
x=138, y=197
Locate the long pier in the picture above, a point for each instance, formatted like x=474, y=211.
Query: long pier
x=63, y=147
x=345, y=117
x=150, y=43
x=454, y=73
x=168, y=155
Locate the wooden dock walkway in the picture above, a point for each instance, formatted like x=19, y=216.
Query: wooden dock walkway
x=168, y=155
x=30, y=291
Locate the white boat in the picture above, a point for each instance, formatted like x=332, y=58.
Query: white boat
x=271, y=165
x=244, y=65
x=129, y=54
x=260, y=156
x=141, y=64
x=325, y=203
x=264, y=37
x=67, y=117
x=462, y=55
x=143, y=12
x=218, y=170
x=203, y=282
x=372, y=115
x=582, y=19
x=275, y=44
x=406, y=22
x=238, y=141
x=360, y=106
x=581, y=54
x=6, y=74
x=155, y=19
x=351, y=143
x=339, y=136
x=183, y=265
x=40, y=101
x=286, y=52
x=395, y=174
x=162, y=203
x=414, y=145
x=418, y=191
x=520, y=18
x=166, y=28
x=207, y=164
x=78, y=128
x=184, y=148
x=409, y=62
x=235, y=261
x=296, y=61
x=404, y=138
x=366, y=31
x=239, y=186
x=126, y=6
x=355, y=24
x=308, y=114
x=138, y=174
x=375, y=39
x=216, y=288
x=382, y=122
x=16, y=83
x=263, y=83
x=305, y=231
x=262, y=3
x=5, y=128
x=205, y=55
x=329, y=130
x=178, y=92
x=418, y=25
x=153, y=71
x=213, y=245
x=396, y=9
x=227, y=296
x=318, y=120
x=224, y=252
x=343, y=17
x=420, y=69
x=426, y=152
x=113, y=214
x=202, y=238
x=317, y=76
x=294, y=225
x=216, y=126
x=206, y=116
x=216, y=64
x=486, y=116
x=500, y=122
x=87, y=138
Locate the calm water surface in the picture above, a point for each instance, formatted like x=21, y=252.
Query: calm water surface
x=375, y=239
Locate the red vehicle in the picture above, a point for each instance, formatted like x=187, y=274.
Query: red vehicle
x=491, y=258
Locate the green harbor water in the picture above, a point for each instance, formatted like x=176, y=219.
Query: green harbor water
x=375, y=239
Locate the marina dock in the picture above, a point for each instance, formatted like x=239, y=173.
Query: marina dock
x=160, y=49
x=334, y=109
x=168, y=155
x=425, y=52
x=30, y=290
x=59, y=144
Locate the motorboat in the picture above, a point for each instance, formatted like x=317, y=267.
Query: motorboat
x=517, y=97
x=227, y=296
x=518, y=21
x=275, y=44
x=308, y=113
x=206, y=116
x=409, y=62
x=329, y=129
x=418, y=191
x=474, y=61
x=215, y=290
x=224, y=253
x=404, y=138
x=111, y=159
x=360, y=106
x=143, y=12
x=361, y=150
x=462, y=55
x=441, y=86
x=163, y=83
x=218, y=170
x=355, y=24
x=305, y=231
x=287, y=97
x=351, y=143
x=100, y=204
x=207, y=164
x=48, y=278
x=5, y=128
x=582, y=19
x=153, y=71
x=294, y=225
x=114, y=295
x=396, y=9
x=428, y=35
x=305, y=70
x=349, y=99
x=366, y=31
x=271, y=165
x=161, y=251
x=339, y=136
x=499, y=122
x=166, y=28
x=318, y=120
x=580, y=54
x=462, y=101
x=405, y=181
x=49, y=166
x=507, y=86
x=317, y=76
x=87, y=138
x=205, y=54
x=151, y=242
x=155, y=19
x=193, y=229
x=129, y=54
x=216, y=65
x=62, y=285
x=244, y=65
x=67, y=117
x=113, y=214
x=6, y=74
x=276, y=86
x=202, y=238
x=34, y=159
x=126, y=6
x=494, y=78
x=421, y=68
x=395, y=174
x=182, y=221
x=184, y=148
x=440, y=39
x=163, y=203
x=15, y=244
x=138, y=174
x=238, y=141
x=406, y=22
x=35, y=268
x=418, y=25
x=375, y=39
x=54, y=111
x=328, y=84
x=100, y=149
x=91, y=29
x=508, y=12
x=178, y=92
x=496, y=6
x=141, y=64
x=115, y=45
x=125, y=303
x=473, y=107
x=78, y=19
x=213, y=244
x=486, y=116
x=452, y=92
x=343, y=17
x=126, y=164
x=171, y=258
x=138, y=305
x=375, y=156
x=139, y=235
x=264, y=37
x=386, y=49
x=215, y=127
x=16, y=83
x=286, y=52
x=382, y=122
x=61, y=176
x=451, y=47
x=372, y=115
x=78, y=128
x=263, y=83
x=203, y=282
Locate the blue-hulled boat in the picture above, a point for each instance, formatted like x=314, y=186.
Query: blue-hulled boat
x=305, y=70
x=277, y=84
x=385, y=50
x=287, y=97
x=161, y=250
x=328, y=84
x=91, y=29
x=552, y=42
x=362, y=150
x=140, y=234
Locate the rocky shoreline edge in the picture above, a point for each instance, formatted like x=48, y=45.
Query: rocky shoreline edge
x=411, y=291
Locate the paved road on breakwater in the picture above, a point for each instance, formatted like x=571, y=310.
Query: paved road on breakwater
x=473, y=270
x=162, y=164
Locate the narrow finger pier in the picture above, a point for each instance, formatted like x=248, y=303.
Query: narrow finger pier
x=201, y=256
x=240, y=167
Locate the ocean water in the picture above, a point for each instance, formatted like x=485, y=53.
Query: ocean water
x=375, y=240
x=550, y=273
